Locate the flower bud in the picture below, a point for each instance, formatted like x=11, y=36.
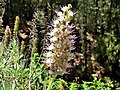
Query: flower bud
x=16, y=26
x=7, y=36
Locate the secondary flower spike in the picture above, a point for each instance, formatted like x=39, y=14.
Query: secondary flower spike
x=62, y=41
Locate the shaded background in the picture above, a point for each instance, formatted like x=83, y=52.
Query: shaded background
x=97, y=28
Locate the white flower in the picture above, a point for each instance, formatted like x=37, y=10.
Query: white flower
x=62, y=26
x=58, y=45
x=62, y=42
x=49, y=61
x=61, y=18
x=51, y=33
x=55, y=30
x=70, y=13
x=51, y=47
x=64, y=8
x=53, y=39
x=59, y=14
x=49, y=54
x=72, y=37
x=56, y=22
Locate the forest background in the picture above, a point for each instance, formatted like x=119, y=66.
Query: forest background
x=97, y=27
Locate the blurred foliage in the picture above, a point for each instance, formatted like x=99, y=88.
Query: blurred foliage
x=97, y=84
x=97, y=28
x=14, y=75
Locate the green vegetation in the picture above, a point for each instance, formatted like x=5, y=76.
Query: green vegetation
x=59, y=44
x=14, y=75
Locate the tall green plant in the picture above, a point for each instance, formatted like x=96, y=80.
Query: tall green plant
x=62, y=41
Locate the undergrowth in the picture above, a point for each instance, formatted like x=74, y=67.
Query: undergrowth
x=14, y=76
